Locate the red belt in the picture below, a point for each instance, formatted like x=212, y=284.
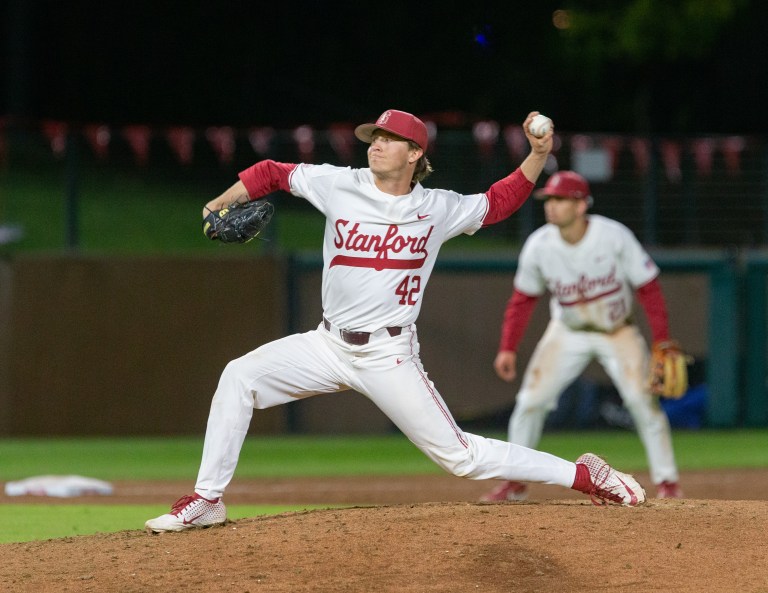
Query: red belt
x=359, y=338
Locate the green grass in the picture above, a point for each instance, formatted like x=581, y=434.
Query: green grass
x=123, y=211
x=178, y=458
x=307, y=455
x=694, y=450
x=29, y=522
x=287, y=456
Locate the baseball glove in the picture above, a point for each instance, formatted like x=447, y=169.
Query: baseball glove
x=669, y=369
x=239, y=222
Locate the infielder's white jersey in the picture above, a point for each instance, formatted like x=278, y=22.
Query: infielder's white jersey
x=367, y=230
x=592, y=283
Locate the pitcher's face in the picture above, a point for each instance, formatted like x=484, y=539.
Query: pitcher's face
x=389, y=153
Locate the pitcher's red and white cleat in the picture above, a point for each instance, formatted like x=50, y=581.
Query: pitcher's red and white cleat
x=189, y=512
x=604, y=484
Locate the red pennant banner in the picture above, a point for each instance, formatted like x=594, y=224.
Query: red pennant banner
x=340, y=136
x=222, y=140
x=98, y=136
x=671, y=152
x=431, y=135
x=732, y=147
x=486, y=134
x=342, y=139
x=305, y=140
x=641, y=150
x=138, y=137
x=517, y=143
x=581, y=142
x=612, y=145
x=261, y=139
x=182, y=141
x=703, y=153
x=56, y=132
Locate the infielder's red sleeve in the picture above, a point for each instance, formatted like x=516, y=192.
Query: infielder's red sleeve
x=266, y=177
x=506, y=196
x=516, y=317
x=655, y=307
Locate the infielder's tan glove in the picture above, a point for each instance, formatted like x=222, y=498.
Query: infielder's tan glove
x=669, y=369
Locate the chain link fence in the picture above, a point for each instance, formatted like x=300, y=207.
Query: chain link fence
x=704, y=192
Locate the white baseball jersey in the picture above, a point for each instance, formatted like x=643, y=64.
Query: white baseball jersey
x=397, y=237
x=592, y=282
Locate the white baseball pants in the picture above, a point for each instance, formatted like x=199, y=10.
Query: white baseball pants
x=561, y=356
x=389, y=372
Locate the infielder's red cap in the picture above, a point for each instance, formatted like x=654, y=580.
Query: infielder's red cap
x=565, y=184
x=401, y=123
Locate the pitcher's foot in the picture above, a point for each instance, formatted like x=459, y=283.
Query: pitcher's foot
x=189, y=512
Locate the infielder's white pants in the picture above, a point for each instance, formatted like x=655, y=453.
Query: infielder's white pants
x=389, y=372
x=561, y=356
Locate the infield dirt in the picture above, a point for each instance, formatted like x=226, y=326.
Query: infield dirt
x=420, y=534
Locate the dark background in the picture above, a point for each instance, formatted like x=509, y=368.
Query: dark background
x=633, y=66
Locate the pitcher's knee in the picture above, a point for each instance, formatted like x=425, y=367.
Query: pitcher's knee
x=463, y=468
x=234, y=382
x=459, y=462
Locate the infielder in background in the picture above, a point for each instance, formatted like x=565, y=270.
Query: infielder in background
x=591, y=266
x=382, y=234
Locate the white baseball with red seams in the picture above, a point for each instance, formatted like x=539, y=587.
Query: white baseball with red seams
x=540, y=125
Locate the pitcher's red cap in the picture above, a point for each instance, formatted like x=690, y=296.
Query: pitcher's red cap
x=401, y=123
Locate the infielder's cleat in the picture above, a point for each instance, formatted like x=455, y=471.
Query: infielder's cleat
x=508, y=490
x=189, y=512
x=604, y=484
x=669, y=490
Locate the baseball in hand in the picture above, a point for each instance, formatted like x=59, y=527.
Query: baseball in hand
x=540, y=125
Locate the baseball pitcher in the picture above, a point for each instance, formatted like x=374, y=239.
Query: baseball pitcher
x=382, y=235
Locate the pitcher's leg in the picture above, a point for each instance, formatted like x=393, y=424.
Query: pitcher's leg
x=407, y=396
x=279, y=372
x=495, y=459
x=228, y=421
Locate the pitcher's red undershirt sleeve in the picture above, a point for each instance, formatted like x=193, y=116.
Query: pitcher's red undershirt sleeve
x=506, y=196
x=516, y=317
x=266, y=177
x=652, y=300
